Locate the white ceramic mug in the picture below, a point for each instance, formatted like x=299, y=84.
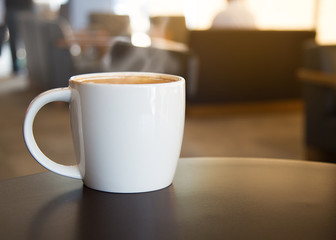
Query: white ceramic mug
x=127, y=137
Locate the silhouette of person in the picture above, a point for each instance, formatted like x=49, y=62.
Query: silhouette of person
x=2, y=23
x=13, y=7
x=236, y=15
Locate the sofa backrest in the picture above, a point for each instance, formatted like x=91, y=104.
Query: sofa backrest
x=246, y=65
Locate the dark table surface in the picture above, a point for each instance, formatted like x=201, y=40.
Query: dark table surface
x=211, y=198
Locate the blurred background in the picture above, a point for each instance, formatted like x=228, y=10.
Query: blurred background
x=260, y=75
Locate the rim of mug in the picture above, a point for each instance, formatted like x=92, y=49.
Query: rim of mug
x=80, y=79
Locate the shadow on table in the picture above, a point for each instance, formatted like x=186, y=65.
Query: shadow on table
x=90, y=214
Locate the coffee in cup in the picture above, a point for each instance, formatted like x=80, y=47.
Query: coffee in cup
x=125, y=80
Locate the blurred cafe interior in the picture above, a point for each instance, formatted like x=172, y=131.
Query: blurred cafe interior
x=266, y=90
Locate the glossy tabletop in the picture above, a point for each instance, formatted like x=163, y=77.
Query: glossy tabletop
x=211, y=198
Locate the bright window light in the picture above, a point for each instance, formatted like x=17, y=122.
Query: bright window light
x=141, y=39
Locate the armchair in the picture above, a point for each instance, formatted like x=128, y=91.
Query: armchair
x=49, y=63
x=318, y=77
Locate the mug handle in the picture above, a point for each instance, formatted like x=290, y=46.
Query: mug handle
x=58, y=94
